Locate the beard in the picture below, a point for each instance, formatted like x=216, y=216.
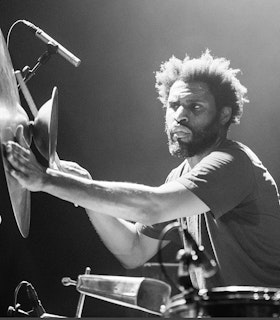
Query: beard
x=201, y=140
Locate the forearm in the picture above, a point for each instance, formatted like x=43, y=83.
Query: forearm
x=128, y=201
x=118, y=199
x=121, y=238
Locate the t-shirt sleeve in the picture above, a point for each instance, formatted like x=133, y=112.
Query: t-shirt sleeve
x=222, y=180
x=155, y=230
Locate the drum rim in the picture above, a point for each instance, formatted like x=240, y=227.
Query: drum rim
x=240, y=293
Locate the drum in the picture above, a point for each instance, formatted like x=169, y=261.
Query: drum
x=180, y=307
x=232, y=301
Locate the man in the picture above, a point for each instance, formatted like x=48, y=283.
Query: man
x=228, y=197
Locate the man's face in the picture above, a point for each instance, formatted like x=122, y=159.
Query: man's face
x=192, y=124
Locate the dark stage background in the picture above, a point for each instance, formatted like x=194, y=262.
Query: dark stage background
x=111, y=123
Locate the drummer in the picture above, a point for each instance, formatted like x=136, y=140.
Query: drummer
x=227, y=197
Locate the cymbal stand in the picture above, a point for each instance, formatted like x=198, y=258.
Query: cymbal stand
x=31, y=105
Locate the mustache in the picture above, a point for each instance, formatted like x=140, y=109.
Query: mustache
x=181, y=127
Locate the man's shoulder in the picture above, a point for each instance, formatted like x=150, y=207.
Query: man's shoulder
x=239, y=149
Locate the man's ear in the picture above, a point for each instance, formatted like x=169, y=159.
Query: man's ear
x=225, y=115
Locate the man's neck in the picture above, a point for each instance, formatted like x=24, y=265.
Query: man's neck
x=193, y=161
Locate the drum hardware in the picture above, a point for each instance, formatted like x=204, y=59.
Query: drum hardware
x=53, y=47
x=186, y=303
x=42, y=60
x=240, y=301
x=43, y=130
x=81, y=299
x=191, y=258
x=45, y=125
x=231, y=301
x=194, y=255
x=13, y=116
x=43, y=36
x=146, y=294
x=33, y=301
x=16, y=311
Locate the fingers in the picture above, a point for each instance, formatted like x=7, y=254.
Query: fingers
x=14, y=162
x=19, y=176
x=23, y=166
x=8, y=167
x=20, y=137
x=15, y=149
x=16, y=155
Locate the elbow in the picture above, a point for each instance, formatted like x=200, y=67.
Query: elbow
x=131, y=265
x=132, y=261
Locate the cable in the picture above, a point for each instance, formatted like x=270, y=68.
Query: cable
x=10, y=30
x=17, y=290
x=165, y=231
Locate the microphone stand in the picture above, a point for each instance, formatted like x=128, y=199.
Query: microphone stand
x=43, y=59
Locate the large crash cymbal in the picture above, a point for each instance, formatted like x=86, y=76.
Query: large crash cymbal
x=12, y=116
x=45, y=128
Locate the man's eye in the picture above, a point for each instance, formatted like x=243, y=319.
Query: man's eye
x=173, y=105
x=196, y=107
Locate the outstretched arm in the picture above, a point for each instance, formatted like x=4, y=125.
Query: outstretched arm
x=128, y=201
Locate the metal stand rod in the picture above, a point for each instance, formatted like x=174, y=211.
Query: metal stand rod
x=81, y=299
x=26, y=94
x=43, y=59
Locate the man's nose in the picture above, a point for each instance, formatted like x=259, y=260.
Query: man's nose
x=181, y=115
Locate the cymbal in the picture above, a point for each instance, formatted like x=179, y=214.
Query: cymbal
x=12, y=116
x=45, y=128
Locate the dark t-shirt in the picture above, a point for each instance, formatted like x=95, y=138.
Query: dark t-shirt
x=242, y=230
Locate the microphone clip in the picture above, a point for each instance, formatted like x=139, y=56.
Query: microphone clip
x=43, y=59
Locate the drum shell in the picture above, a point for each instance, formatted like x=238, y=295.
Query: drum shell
x=232, y=301
x=240, y=301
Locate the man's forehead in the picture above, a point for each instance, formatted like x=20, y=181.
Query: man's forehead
x=195, y=89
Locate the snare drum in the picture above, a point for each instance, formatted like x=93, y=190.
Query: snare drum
x=240, y=301
x=232, y=301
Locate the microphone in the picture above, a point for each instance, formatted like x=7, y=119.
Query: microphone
x=37, y=307
x=46, y=38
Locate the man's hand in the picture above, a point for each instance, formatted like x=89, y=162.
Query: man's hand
x=23, y=165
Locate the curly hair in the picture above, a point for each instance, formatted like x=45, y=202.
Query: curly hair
x=215, y=72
